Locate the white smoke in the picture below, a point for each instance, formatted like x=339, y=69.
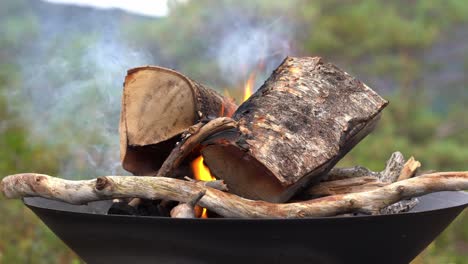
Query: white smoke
x=248, y=46
x=71, y=94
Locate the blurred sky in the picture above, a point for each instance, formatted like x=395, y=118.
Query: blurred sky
x=143, y=7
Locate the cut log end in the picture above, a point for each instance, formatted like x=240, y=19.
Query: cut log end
x=150, y=94
x=159, y=104
x=239, y=170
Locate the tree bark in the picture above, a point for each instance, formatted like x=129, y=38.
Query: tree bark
x=225, y=204
x=295, y=128
x=158, y=104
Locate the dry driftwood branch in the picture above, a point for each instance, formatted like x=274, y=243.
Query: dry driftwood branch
x=391, y=172
x=216, y=184
x=298, y=124
x=409, y=169
x=187, y=210
x=226, y=204
x=158, y=104
x=395, y=169
x=359, y=179
x=349, y=185
x=198, y=133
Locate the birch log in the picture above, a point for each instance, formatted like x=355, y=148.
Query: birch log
x=158, y=104
x=226, y=204
x=305, y=117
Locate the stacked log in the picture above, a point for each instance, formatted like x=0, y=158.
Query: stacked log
x=158, y=105
x=275, y=157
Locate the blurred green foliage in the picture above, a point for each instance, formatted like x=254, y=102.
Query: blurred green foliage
x=375, y=39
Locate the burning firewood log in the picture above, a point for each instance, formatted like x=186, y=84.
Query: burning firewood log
x=223, y=203
x=294, y=129
x=158, y=104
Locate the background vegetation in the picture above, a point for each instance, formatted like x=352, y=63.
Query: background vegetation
x=61, y=69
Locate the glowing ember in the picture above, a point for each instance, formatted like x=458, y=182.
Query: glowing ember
x=202, y=173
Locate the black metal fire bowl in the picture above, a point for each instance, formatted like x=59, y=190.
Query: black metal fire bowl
x=100, y=238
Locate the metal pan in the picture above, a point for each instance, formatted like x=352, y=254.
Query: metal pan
x=100, y=238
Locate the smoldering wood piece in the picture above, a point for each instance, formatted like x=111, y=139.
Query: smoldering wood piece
x=303, y=119
x=390, y=173
x=140, y=207
x=222, y=203
x=122, y=208
x=187, y=210
x=158, y=104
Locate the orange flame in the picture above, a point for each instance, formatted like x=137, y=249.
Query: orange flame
x=227, y=111
x=248, y=87
x=202, y=173
x=221, y=112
